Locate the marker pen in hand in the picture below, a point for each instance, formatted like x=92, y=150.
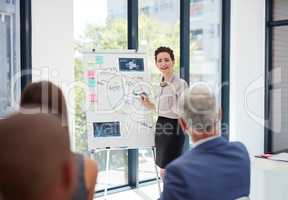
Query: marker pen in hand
x=143, y=96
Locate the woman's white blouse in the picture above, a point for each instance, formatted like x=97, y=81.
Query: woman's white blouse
x=167, y=100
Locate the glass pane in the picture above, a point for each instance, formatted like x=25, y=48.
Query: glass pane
x=118, y=170
x=146, y=164
x=205, y=42
x=205, y=34
x=5, y=63
x=9, y=56
x=98, y=25
x=158, y=26
x=280, y=8
x=279, y=92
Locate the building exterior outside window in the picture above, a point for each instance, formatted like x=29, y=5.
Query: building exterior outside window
x=9, y=56
x=205, y=41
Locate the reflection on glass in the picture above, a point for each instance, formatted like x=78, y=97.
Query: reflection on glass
x=98, y=25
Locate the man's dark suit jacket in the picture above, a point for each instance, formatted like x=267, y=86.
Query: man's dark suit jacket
x=214, y=170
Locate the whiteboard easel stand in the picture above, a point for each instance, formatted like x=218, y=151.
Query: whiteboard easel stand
x=106, y=172
x=156, y=170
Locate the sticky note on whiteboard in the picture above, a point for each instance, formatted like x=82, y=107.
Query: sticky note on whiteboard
x=92, y=98
x=91, y=82
x=99, y=60
x=91, y=74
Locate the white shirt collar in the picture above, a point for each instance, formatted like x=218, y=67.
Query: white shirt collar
x=204, y=140
x=171, y=79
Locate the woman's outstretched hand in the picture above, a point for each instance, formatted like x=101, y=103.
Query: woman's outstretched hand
x=146, y=102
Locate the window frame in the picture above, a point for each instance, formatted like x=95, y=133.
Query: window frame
x=25, y=43
x=270, y=25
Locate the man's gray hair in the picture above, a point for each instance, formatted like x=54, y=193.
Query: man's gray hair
x=200, y=107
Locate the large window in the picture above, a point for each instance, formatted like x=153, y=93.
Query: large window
x=205, y=41
x=276, y=88
x=158, y=26
x=9, y=55
x=99, y=25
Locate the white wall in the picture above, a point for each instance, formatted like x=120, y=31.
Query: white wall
x=247, y=67
x=52, y=45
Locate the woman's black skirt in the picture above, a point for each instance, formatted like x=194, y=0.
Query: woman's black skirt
x=169, y=140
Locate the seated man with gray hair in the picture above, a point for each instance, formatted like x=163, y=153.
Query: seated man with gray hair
x=214, y=169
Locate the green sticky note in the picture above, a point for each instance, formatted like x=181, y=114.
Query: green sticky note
x=92, y=82
x=99, y=60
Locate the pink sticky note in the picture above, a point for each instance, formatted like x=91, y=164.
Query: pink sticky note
x=91, y=74
x=92, y=98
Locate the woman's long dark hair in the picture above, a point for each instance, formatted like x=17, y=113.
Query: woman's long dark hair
x=46, y=96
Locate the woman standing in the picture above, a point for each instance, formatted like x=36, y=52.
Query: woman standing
x=169, y=138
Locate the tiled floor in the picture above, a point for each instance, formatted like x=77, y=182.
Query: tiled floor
x=149, y=192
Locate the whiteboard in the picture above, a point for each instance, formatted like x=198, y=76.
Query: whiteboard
x=115, y=116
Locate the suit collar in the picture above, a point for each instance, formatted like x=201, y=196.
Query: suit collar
x=212, y=143
x=204, y=140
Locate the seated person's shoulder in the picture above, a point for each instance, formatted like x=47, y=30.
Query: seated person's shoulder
x=174, y=171
x=181, y=161
x=240, y=146
x=91, y=167
x=90, y=172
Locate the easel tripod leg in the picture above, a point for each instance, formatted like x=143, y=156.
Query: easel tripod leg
x=107, y=173
x=156, y=170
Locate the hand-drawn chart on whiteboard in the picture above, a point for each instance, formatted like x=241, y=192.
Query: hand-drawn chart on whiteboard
x=116, y=118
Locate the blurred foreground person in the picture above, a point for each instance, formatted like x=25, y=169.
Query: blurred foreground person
x=35, y=159
x=50, y=99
